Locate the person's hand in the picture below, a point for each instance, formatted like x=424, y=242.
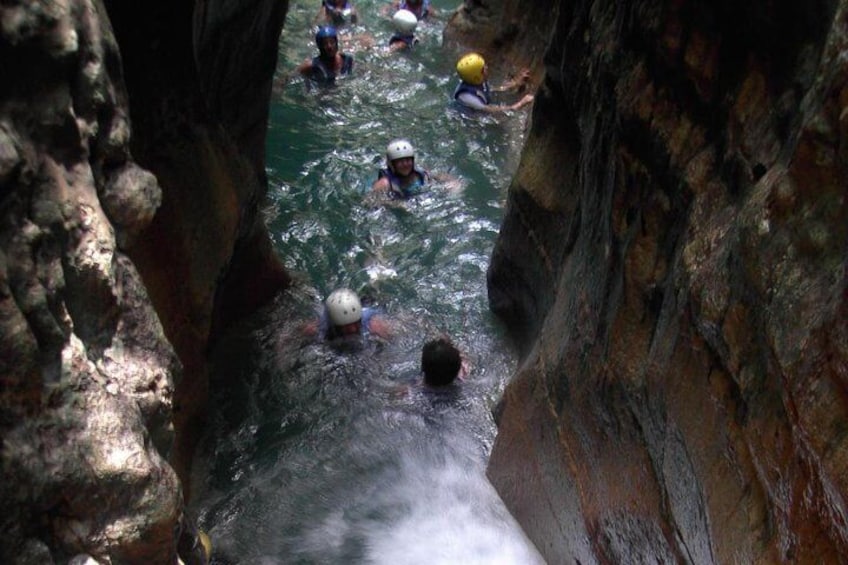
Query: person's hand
x=527, y=99
x=523, y=77
x=520, y=80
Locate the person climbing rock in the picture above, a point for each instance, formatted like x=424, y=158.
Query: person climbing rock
x=474, y=91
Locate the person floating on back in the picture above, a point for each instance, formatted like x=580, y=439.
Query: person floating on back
x=405, y=23
x=475, y=92
x=441, y=363
x=330, y=63
x=337, y=12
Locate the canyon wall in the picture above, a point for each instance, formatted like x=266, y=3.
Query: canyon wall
x=131, y=173
x=672, y=263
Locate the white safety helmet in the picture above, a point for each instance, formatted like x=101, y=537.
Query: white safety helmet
x=398, y=149
x=405, y=21
x=343, y=307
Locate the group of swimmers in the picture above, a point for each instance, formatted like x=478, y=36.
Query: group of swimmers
x=343, y=316
x=473, y=90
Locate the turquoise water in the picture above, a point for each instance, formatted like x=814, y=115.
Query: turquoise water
x=320, y=456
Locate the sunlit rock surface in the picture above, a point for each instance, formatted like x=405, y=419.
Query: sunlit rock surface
x=673, y=264
x=129, y=236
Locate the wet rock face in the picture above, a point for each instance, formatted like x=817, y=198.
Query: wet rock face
x=87, y=374
x=673, y=262
x=129, y=235
x=199, y=95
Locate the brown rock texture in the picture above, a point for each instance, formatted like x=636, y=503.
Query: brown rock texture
x=673, y=265
x=131, y=173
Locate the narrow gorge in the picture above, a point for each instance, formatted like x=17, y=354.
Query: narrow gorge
x=671, y=263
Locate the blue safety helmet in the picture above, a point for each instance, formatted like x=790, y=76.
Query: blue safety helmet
x=324, y=32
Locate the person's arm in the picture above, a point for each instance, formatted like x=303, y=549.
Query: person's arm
x=515, y=83
x=381, y=186
x=321, y=17
x=448, y=181
x=390, y=7
x=464, y=369
x=305, y=67
x=380, y=327
x=500, y=108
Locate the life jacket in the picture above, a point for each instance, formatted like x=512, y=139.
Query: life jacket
x=420, y=13
x=396, y=192
x=481, y=91
x=322, y=74
x=410, y=39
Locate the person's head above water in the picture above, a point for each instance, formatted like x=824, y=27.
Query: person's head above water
x=405, y=22
x=440, y=362
x=344, y=310
x=396, y=151
x=327, y=40
x=472, y=68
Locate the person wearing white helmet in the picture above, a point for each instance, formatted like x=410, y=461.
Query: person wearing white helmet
x=401, y=179
x=421, y=9
x=474, y=91
x=405, y=23
x=344, y=317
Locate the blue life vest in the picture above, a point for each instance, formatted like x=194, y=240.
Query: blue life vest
x=421, y=13
x=322, y=74
x=481, y=91
x=395, y=190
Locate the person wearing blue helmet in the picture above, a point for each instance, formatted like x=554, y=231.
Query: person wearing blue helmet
x=330, y=62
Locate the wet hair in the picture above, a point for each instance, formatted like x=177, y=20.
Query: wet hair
x=440, y=362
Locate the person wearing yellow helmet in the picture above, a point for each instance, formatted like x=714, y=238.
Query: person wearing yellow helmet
x=474, y=91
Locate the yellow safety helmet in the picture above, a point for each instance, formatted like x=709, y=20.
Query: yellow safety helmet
x=470, y=68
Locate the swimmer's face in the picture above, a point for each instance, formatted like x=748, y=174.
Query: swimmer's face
x=349, y=329
x=403, y=166
x=329, y=46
